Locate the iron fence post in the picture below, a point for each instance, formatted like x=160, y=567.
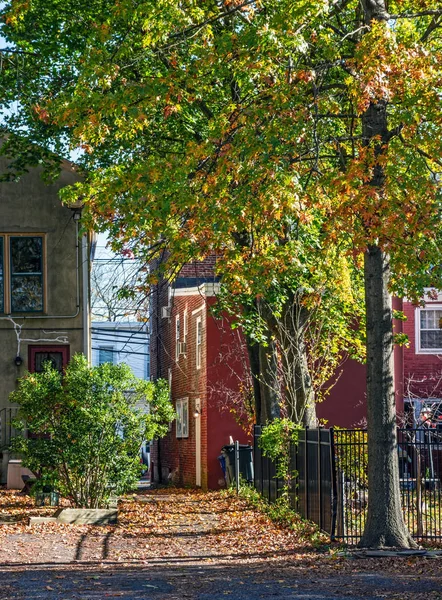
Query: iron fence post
x=320, y=487
x=306, y=498
x=333, y=477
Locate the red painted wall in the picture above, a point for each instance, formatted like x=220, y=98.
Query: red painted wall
x=225, y=372
x=422, y=372
x=346, y=404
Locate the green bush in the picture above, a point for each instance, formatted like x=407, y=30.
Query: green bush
x=84, y=430
x=275, y=441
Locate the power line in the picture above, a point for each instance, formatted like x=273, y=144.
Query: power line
x=121, y=351
x=110, y=331
x=126, y=344
x=124, y=336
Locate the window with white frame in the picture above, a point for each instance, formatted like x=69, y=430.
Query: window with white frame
x=199, y=342
x=177, y=337
x=182, y=418
x=429, y=330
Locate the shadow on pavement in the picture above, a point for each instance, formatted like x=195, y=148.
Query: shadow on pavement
x=210, y=581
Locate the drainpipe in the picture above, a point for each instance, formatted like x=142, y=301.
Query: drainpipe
x=86, y=314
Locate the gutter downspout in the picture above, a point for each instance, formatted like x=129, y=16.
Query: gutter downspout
x=86, y=313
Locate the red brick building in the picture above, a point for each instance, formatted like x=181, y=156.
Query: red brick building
x=193, y=351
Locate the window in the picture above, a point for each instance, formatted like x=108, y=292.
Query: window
x=182, y=418
x=58, y=356
x=177, y=337
x=21, y=273
x=429, y=333
x=169, y=379
x=199, y=341
x=105, y=354
x=185, y=326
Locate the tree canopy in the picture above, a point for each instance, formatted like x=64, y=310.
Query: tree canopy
x=244, y=118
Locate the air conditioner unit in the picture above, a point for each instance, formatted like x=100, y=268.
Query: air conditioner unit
x=166, y=312
x=182, y=347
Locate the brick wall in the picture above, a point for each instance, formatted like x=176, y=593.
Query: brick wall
x=176, y=458
x=203, y=269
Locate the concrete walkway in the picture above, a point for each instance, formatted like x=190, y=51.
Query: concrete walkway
x=205, y=547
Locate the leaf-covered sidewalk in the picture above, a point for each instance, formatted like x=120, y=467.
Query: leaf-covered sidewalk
x=165, y=524
x=185, y=544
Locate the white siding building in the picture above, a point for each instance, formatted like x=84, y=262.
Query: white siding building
x=122, y=342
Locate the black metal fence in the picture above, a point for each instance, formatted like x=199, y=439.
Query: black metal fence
x=328, y=482
x=7, y=430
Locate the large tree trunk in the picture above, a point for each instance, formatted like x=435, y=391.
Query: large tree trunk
x=385, y=525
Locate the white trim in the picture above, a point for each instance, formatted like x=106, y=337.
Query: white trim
x=428, y=298
x=169, y=381
x=211, y=289
x=194, y=291
x=197, y=310
x=185, y=324
x=205, y=289
x=417, y=330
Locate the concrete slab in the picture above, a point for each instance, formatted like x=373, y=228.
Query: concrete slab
x=87, y=516
x=41, y=520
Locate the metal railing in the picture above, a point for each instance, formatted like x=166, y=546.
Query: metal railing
x=7, y=430
x=328, y=480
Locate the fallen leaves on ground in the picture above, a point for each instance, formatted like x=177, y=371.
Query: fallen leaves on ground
x=168, y=523
x=170, y=526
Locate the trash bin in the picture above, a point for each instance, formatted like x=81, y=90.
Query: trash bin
x=222, y=462
x=245, y=462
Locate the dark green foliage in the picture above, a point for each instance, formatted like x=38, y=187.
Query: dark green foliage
x=84, y=430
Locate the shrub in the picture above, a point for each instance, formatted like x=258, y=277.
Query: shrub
x=275, y=441
x=84, y=430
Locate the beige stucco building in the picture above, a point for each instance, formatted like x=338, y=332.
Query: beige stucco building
x=44, y=284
